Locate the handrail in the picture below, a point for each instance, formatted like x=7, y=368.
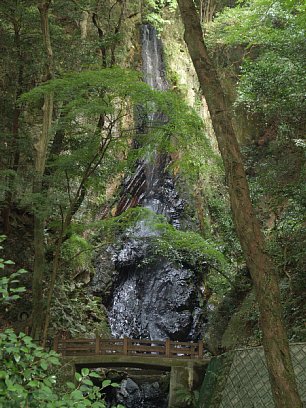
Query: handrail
x=128, y=347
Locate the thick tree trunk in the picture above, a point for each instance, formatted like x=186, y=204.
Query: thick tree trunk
x=41, y=147
x=262, y=270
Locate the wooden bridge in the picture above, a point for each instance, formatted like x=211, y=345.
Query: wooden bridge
x=184, y=360
x=128, y=347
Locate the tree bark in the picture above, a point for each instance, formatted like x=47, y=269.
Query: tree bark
x=41, y=147
x=95, y=21
x=261, y=267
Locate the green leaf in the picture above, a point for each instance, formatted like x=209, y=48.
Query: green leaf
x=77, y=395
x=94, y=374
x=84, y=372
x=106, y=383
x=70, y=385
x=115, y=385
x=88, y=382
x=78, y=377
x=3, y=374
x=54, y=360
x=17, y=357
x=44, y=365
x=33, y=384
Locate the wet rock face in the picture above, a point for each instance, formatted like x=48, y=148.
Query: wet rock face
x=147, y=395
x=152, y=187
x=129, y=394
x=156, y=302
x=161, y=196
x=106, y=273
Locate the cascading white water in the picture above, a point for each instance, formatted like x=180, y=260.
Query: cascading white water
x=153, y=66
x=154, y=74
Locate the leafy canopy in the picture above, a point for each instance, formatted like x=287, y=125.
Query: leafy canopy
x=272, y=76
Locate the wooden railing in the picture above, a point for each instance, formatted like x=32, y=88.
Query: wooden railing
x=128, y=347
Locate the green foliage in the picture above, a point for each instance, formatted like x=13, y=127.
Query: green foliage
x=154, y=12
x=24, y=371
x=260, y=23
x=189, y=398
x=272, y=78
x=77, y=254
x=279, y=172
x=25, y=379
x=187, y=247
x=272, y=85
x=112, y=227
x=8, y=290
x=109, y=93
x=77, y=312
x=180, y=246
x=88, y=94
x=271, y=82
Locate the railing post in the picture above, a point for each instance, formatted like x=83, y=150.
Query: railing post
x=63, y=347
x=97, y=346
x=55, y=344
x=125, y=346
x=200, y=348
x=168, y=347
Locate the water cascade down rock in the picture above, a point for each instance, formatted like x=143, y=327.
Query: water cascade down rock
x=149, y=296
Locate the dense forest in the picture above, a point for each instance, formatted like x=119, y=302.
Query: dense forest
x=152, y=187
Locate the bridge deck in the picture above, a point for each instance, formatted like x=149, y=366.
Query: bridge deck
x=162, y=363
x=134, y=348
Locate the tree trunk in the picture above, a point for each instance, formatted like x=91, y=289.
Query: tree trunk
x=38, y=270
x=262, y=270
x=55, y=267
x=84, y=24
x=40, y=147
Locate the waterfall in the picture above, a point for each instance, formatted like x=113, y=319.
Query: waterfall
x=151, y=186
x=149, y=296
x=156, y=299
x=153, y=66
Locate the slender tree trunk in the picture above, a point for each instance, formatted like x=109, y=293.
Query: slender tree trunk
x=40, y=147
x=262, y=270
x=55, y=267
x=116, y=31
x=84, y=24
x=38, y=269
x=95, y=21
x=204, y=224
